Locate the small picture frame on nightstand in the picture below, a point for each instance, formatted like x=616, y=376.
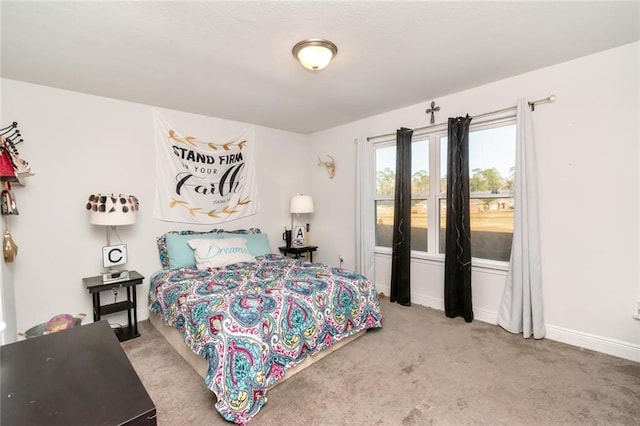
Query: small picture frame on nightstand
x=299, y=236
x=114, y=255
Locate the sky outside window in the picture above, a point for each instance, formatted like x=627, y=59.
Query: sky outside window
x=487, y=148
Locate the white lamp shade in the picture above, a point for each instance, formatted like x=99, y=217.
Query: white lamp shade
x=301, y=204
x=112, y=209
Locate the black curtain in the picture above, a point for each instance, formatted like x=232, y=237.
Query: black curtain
x=401, y=256
x=457, y=264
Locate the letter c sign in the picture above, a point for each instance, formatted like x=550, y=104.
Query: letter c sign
x=114, y=255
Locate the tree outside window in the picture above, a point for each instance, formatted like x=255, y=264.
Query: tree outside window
x=491, y=183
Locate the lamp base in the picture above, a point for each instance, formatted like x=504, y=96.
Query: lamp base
x=115, y=276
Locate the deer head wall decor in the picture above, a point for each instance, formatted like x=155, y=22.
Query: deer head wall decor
x=330, y=165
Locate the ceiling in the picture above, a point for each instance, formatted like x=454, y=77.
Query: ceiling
x=233, y=59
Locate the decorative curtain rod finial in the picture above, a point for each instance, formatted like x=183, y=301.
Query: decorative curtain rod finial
x=532, y=105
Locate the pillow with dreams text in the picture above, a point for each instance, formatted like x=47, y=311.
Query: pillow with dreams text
x=219, y=253
x=180, y=254
x=257, y=244
x=185, y=251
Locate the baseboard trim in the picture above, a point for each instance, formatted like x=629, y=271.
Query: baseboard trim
x=484, y=315
x=605, y=345
x=142, y=313
x=580, y=339
x=431, y=302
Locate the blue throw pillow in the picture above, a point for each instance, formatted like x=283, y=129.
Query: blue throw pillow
x=258, y=244
x=180, y=254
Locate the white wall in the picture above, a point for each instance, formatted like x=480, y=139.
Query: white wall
x=79, y=144
x=589, y=191
x=7, y=299
x=588, y=161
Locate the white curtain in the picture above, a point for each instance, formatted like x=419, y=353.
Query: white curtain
x=521, y=309
x=365, y=209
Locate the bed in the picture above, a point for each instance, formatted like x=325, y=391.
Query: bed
x=248, y=324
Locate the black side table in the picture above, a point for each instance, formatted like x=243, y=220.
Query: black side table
x=297, y=251
x=95, y=285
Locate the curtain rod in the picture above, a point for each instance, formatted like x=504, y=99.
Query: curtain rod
x=532, y=105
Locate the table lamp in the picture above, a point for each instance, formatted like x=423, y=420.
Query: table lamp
x=113, y=210
x=300, y=204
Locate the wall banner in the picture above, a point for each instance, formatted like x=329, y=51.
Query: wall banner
x=200, y=179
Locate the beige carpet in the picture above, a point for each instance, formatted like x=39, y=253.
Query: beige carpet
x=421, y=368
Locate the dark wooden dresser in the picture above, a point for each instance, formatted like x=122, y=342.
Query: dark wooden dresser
x=79, y=376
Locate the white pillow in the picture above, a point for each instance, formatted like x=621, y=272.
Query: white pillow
x=220, y=253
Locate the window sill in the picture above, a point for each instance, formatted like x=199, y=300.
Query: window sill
x=477, y=264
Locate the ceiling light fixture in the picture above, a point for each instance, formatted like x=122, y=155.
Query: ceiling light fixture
x=315, y=53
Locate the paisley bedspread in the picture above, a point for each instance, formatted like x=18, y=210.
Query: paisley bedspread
x=254, y=321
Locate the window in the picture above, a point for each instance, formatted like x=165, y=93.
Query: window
x=491, y=182
x=385, y=189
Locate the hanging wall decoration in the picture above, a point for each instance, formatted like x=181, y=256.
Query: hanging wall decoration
x=203, y=179
x=329, y=165
x=13, y=169
x=9, y=247
x=7, y=200
x=8, y=207
x=432, y=111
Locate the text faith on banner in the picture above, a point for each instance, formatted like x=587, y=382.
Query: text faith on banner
x=203, y=179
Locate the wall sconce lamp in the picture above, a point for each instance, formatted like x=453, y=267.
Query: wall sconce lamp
x=315, y=53
x=112, y=210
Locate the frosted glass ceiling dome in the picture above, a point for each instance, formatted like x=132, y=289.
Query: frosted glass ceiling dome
x=315, y=54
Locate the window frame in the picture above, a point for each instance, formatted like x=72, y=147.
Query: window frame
x=417, y=197
x=433, y=135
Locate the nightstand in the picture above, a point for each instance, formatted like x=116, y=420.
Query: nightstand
x=297, y=251
x=95, y=285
